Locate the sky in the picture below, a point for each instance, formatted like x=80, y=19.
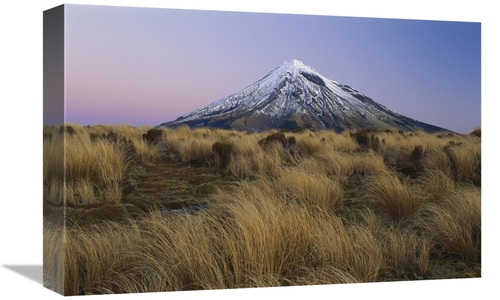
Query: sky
x=146, y=66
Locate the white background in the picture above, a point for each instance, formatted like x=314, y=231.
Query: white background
x=21, y=145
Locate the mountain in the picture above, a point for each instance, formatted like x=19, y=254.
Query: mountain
x=295, y=95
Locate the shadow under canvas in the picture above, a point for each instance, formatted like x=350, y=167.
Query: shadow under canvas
x=33, y=272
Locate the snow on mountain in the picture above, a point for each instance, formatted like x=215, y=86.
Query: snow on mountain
x=295, y=95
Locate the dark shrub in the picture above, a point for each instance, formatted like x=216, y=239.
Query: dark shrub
x=67, y=129
x=289, y=145
x=366, y=140
x=153, y=136
x=361, y=138
x=417, y=154
x=222, y=153
x=477, y=132
x=277, y=137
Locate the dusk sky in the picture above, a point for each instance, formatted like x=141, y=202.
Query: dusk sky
x=143, y=66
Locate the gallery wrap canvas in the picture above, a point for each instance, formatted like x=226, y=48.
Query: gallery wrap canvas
x=211, y=150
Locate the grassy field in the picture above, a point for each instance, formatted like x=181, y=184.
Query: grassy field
x=130, y=210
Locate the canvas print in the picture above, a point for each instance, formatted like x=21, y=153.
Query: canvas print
x=195, y=150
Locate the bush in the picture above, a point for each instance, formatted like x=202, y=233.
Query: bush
x=153, y=136
x=277, y=137
x=477, y=132
x=417, y=154
x=67, y=129
x=222, y=153
x=365, y=140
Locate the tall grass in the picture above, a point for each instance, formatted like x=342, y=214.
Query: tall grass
x=436, y=183
x=82, y=166
x=250, y=159
x=309, y=189
x=340, y=214
x=454, y=223
x=398, y=199
x=465, y=159
x=54, y=262
x=404, y=249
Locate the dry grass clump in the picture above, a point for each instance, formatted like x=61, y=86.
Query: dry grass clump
x=405, y=251
x=309, y=144
x=54, y=263
x=249, y=159
x=309, y=189
x=465, y=159
x=87, y=164
x=100, y=161
x=196, y=151
x=436, y=184
x=398, y=199
x=342, y=164
x=147, y=153
x=454, y=223
x=477, y=132
x=299, y=235
x=81, y=166
x=437, y=159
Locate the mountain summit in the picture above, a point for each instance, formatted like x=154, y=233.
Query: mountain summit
x=295, y=95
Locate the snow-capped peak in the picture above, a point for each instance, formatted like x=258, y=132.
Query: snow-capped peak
x=294, y=63
x=294, y=94
x=295, y=66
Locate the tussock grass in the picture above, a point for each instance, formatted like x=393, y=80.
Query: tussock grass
x=405, y=249
x=454, y=223
x=250, y=159
x=309, y=189
x=54, y=263
x=398, y=199
x=400, y=208
x=194, y=151
x=342, y=165
x=146, y=153
x=309, y=144
x=437, y=184
x=437, y=159
x=465, y=159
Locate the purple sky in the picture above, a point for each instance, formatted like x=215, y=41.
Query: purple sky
x=144, y=66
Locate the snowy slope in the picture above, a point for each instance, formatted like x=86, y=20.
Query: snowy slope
x=295, y=95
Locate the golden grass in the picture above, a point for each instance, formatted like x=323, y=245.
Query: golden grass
x=340, y=214
x=437, y=184
x=398, y=199
x=54, y=256
x=250, y=159
x=146, y=153
x=466, y=159
x=405, y=248
x=454, y=223
x=308, y=189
